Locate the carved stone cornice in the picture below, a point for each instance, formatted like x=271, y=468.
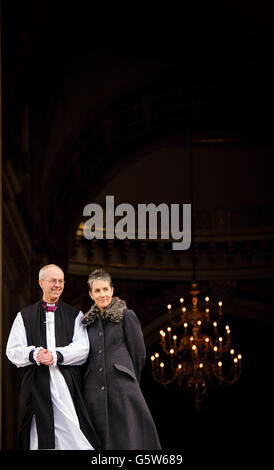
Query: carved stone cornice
x=222, y=247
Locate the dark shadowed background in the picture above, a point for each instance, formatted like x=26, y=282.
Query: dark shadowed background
x=124, y=100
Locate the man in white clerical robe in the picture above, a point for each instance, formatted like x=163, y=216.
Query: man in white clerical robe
x=49, y=341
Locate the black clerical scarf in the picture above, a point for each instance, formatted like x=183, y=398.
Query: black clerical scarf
x=36, y=396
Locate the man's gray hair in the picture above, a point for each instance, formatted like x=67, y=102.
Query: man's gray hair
x=44, y=269
x=99, y=274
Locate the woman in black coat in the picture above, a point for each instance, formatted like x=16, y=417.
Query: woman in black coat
x=111, y=390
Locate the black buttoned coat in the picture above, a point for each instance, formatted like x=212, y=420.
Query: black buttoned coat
x=111, y=391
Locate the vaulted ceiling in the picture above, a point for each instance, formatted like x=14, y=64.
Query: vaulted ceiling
x=81, y=106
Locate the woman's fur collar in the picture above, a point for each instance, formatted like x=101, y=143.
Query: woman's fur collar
x=114, y=312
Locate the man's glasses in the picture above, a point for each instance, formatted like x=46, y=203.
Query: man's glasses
x=56, y=281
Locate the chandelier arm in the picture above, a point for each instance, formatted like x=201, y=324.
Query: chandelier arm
x=174, y=323
x=227, y=344
x=183, y=344
x=214, y=379
x=165, y=349
x=228, y=381
x=160, y=378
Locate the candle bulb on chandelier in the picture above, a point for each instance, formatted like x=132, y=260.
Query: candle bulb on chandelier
x=220, y=368
x=194, y=348
x=171, y=352
x=220, y=303
x=183, y=308
x=235, y=360
x=207, y=309
x=174, y=341
x=162, y=333
x=162, y=365
x=236, y=368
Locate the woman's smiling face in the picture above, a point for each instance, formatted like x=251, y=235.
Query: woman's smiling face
x=101, y=292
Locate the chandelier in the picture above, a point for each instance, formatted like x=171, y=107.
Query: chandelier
x=198, y=349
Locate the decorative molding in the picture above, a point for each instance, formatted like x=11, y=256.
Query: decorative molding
x=236, y=252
